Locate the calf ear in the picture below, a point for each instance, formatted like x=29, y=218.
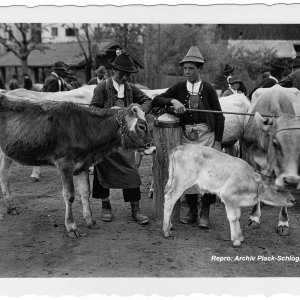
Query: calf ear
x=257, y=177
x=264, y=123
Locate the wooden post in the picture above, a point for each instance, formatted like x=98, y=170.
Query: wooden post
x=167, y=135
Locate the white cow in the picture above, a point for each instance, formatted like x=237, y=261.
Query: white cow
x=231, y=178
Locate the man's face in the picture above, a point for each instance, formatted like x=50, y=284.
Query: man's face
x=121, y=77
x=100, y=75
x=61, y=73
x=191, y=72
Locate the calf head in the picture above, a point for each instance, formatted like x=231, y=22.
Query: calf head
x=281, y=140
x=269, y=193
x=133, y=128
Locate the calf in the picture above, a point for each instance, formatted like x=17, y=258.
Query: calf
x=68, y=136
x=231, y=178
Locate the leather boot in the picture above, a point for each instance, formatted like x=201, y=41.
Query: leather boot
x=106, y=214
x=137, y=215
x=191, y=216
x=203, y=217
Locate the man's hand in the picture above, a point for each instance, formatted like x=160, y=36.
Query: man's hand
x=217, y=146
x=178, y=106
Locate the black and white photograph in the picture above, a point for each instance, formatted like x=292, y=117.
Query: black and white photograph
x=150, y=148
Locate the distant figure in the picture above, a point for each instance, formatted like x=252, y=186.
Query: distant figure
x=27, y=82
x=228, y=71
x=55, y=81
x=13, y=83
x=234, y=84
x=101, y=75
x=292, y=79
x=71, y=80
x=277, y=66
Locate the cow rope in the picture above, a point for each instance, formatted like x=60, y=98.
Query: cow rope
x=125, y=132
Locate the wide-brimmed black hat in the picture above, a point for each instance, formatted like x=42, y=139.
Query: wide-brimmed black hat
x=277, y=63
x=123, y=62
x=59, y=65
x=101, y=69
x=233, y=79
x=228, y=69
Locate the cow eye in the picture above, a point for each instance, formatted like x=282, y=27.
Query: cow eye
x=142, y=127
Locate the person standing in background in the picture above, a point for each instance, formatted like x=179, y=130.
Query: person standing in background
x=101, y=75
x=13, y=83
x=27, y=82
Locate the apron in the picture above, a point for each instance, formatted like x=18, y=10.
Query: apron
x=119, y=170
x=200, y=133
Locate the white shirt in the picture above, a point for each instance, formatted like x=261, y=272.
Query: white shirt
x=119, y=88
x=193, y=88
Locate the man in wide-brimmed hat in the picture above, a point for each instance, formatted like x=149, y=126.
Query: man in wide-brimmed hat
x=292, y=79
x=118, y=171
x=101, y=75
x=234, y=84
x=55, y=82
x=277, y=67
x=198, y=127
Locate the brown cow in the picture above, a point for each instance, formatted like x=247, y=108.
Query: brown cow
x=69, y=137
x=231, y=178
x=272, y=145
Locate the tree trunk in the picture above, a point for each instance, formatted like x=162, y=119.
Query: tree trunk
x=24, y=66
x=146, y=55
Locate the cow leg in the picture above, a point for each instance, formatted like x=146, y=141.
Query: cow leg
x=254, y=219
x=83, y=184
x=5, y=164
x=66, y=172
x=35, y=175
x=283, y=224
x=232, y=216
x=171, y=197
x=238, y=225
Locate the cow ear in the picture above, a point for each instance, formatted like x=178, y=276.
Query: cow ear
x=257, y=177
x=264, y=123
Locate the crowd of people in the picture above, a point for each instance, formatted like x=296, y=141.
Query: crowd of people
x=118, y=171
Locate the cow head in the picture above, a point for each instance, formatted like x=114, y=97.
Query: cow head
x=269, y=193
x=281, y=140
x=134, y=133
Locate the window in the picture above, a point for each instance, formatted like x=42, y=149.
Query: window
x=71, y=31
x=54, y=31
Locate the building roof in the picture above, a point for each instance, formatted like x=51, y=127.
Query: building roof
x=283, y=48
x=70, y=53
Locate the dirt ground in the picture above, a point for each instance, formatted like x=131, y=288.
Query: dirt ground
x=34, y=243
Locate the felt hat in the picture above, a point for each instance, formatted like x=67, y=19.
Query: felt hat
x=228, y=69
x=277, y=63
x=123, y=62
x=193, y=55
x=59, y=65
x=233, y=79
x=101, y=69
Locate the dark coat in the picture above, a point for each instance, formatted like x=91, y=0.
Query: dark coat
x=265, y=83
x=210, y=101
x=93, y=81
x=119, y=169
x=52, y=84
x=27, y=83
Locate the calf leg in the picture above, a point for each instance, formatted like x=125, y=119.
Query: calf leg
x=283, y=224
x=254, y=219
x=83, y=184
x=238, y=225
x=171, y=197
x=5, y=164
x=232, y=216
x=66, y=172
x=35, y=175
